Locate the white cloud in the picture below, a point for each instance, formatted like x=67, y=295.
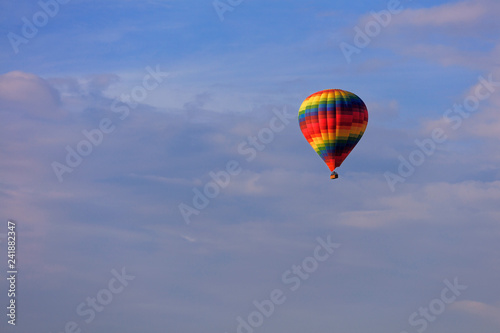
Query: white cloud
x=479, y=309
x=426, y=203
x=452, y=34
x=25, y=92
x=448, y=14
x=482, y=122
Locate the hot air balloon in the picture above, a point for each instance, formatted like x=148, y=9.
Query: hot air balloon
x=333, y=121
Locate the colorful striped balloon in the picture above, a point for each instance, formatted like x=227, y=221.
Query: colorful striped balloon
x=333, y=121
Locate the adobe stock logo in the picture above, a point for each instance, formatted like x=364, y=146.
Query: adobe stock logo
x=292, y=278
x=484, y=89
x=49, y=9
x=97, y=303
x=221, y=7
x=420, y=319
x=371, y=30
x=95, y=137
x=220, y=179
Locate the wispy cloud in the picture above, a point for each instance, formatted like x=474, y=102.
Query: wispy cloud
x=120, y=206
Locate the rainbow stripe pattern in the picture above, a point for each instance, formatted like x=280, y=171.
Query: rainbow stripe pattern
x=333, y=121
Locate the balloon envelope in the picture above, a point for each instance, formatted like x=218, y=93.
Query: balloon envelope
x=333, y=121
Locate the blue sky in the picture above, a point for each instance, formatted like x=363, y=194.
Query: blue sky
x=171, y=94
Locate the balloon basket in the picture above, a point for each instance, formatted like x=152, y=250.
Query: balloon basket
x=334, y=175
